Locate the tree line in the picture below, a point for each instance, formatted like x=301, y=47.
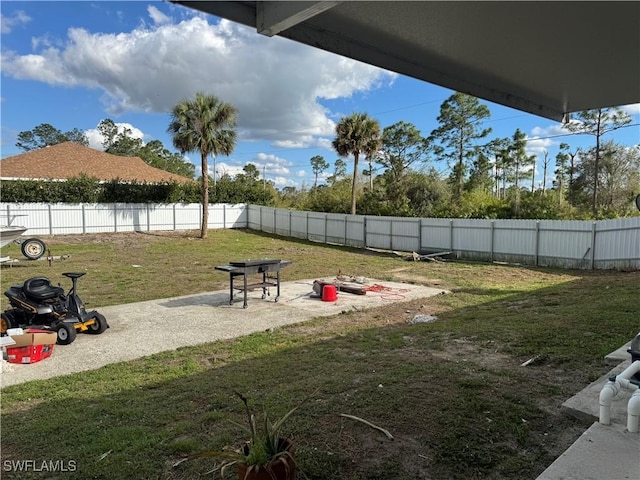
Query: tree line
x=486, y=178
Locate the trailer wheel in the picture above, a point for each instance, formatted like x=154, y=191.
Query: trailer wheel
x=33, y=248
x=99, y=326
x=66, y=333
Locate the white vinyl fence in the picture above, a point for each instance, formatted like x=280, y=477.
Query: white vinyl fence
x=65, y=218
x=604, y=244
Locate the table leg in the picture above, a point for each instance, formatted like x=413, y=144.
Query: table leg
x=230, y=288
x=244, y=305
x=278, y=284
x=264, y=287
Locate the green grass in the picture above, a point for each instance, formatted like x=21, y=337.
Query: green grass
x=452, y=392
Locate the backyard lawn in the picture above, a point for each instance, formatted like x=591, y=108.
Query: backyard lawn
x=452, y=393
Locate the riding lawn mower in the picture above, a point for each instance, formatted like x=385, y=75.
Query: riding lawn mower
x=38, y=304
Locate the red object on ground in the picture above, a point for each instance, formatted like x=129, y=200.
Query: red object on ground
x=329, y=293
x=32, y=346
x=28, y=353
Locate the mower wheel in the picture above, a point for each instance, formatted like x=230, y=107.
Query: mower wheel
x=33, y=248
x=6, y=322
x=66, y=333
x=99, y=326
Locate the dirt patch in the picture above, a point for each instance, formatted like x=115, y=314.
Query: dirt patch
x=462, y=350
x=402, y=275
x=387, y=315
x=119, y=238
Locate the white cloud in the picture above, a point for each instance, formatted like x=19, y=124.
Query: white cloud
x=633, y=109
x=550, y=131
x=157, y=16
x=96, y=138
x=44, y=41
x=324, y=143
x=223, y=168
x=275, y=84
x=544, y=138
x=281, y=182
x=304, y=141
x=275, y=169
x=8, y=23
x=272, y=164
x=538, y=146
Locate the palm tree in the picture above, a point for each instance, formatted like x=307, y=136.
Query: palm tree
x=206, y=125
x=357, y=134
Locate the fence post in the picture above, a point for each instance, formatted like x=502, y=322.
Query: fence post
x=420, y=235
x=391, y=234
x=245, y=209
x=537, y=246
x=50, y=220
x=290, y=228
x=326, y=220
x=224, y=216
x=451, y=235
x=364, y=231
x=148, y=217
x=344, y=242
x=275, y=221
x=306, y=233
x=492, y=239
x=115, y=217
x=84, y=220
x=593, y=245
x=174, y=217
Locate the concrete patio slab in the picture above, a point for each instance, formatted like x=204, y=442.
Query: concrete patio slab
x=144, y=328
x=601, y=453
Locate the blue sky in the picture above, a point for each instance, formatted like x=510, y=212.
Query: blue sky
x=72, y=64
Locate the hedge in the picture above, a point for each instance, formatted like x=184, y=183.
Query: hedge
x=85, y=189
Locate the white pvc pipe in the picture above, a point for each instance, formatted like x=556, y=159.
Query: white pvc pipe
x=630, y=371
x=607, y=393
x=627, y=385
x=611, y=389
x=633, y=412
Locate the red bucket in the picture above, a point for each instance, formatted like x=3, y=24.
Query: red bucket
x=329, y=293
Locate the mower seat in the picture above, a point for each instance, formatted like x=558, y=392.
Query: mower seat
x=40, y=288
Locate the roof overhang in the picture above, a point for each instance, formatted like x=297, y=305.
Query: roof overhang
x=547, y=58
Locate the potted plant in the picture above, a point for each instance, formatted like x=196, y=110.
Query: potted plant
x=267, y=455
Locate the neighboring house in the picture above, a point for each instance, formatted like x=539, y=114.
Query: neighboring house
x=66, y=160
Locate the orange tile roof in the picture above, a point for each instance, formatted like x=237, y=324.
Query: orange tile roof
x=68, y=159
